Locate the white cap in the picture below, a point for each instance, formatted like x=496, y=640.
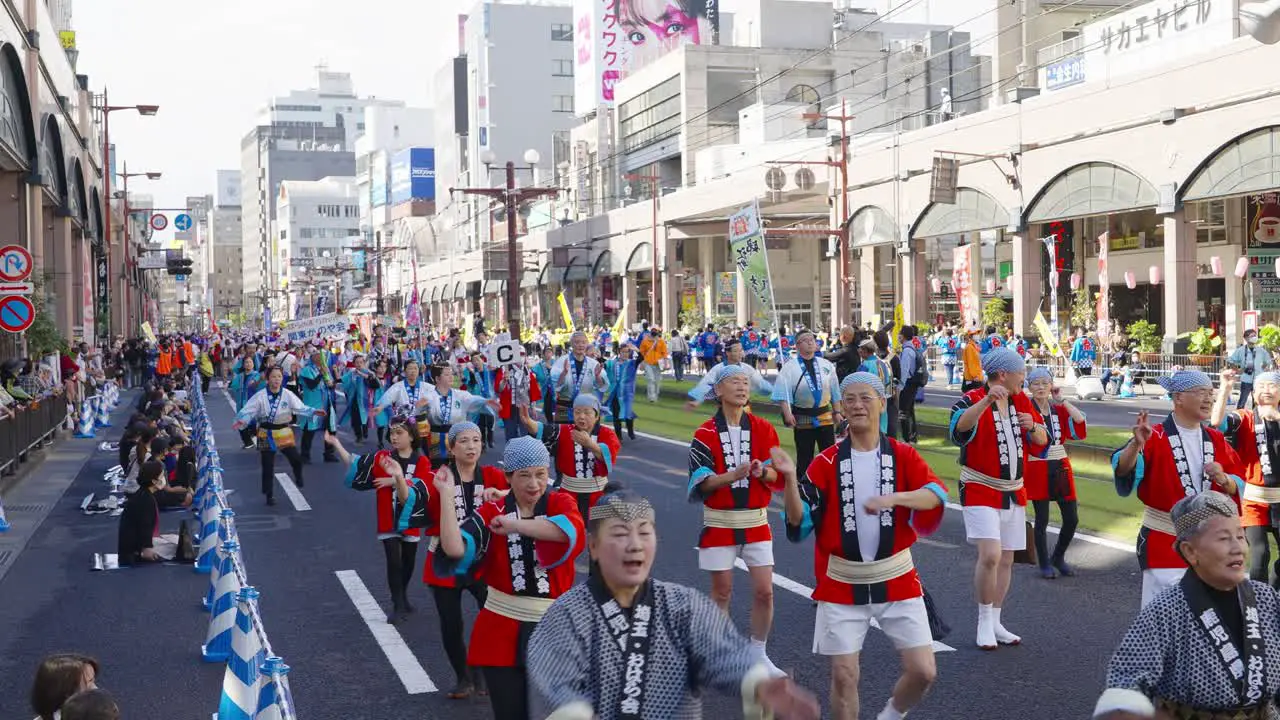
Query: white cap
x=1121, y=700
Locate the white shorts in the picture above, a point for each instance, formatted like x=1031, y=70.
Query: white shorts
x=1009, y=526
x=1155, y=580
x=400, y=536
x=756, y=554
x=841, y=629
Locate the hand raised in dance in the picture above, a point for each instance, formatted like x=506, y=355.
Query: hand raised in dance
x=239, y=425
x=782, y=462
x=1215, y=472
x=786, y=699
x=505, y=524
x=757, y=469
x=1025, y=421
x=443, y=481
x=877, y=504
x=997, y=393
x=741, y=471
x=494, y=494
x=1142, y=429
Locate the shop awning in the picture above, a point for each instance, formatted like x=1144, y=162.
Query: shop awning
x=603, y=265
x=972, y=211
x=493, y=287
x=641, y=258
x=529, y=277
x=459, y=291
x=577, y=270
x=1248, y=164
x=1092, y=189
x=872, y=226
x=546, y=277
x=435, y=293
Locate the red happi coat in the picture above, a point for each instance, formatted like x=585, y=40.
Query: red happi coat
x=707, y=458
x=497, y=640
x=559, y=442
x=364, y=467
x=1159, y=487
x=504, y=394
x=820, y=490
x=1240, y=427
x=979, y=450
x=1037, y=477
x=470, y=496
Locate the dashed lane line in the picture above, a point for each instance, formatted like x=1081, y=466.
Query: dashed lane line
x=291, y=490
x=403, y=661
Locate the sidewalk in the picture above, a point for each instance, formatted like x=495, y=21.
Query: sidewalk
x=31, y=495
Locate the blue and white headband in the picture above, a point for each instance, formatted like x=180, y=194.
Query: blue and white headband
x=1184, y=380
x=586, y=400
x=458, y=428
x=728, y=371
x=525, y=452
x=1039, y=373
x=1002, y=359
x=1267, y=377
x=863, y=378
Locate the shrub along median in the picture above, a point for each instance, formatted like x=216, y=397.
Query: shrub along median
x=1102, y=512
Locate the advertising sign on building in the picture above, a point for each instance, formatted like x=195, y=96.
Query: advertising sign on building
x=413, y=175
x=1262, y=230
x=966, y=290
x=1154, y=34
x=323, y=326
x=86, y=296
x=378, y=176
x=726, y=293
x=615, y=37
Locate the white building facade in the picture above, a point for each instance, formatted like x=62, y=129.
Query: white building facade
x=317, y=222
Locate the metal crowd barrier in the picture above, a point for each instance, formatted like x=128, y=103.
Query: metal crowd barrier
x=29, y=427
x=255, y=685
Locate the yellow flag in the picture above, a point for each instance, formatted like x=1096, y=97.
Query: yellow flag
x=148, y=333
x=1045, y=332
x=620, y=324
x=564, y=312
x=468, y=323
x=899, y=319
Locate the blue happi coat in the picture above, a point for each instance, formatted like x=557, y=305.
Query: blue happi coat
x=316, y=394
x=621, y=375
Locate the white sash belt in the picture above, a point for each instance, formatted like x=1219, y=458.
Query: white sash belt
x=1159, y=521
x=517, y=607
x=735, y=519
x=1261, y=494
x=1055, y=452
x=872, y=572
x=584, y=486
x=433, y=543
x=995, y=483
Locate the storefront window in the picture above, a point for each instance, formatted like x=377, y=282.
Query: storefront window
x=938, y=254
x=1133, y=230
x=1210, y=219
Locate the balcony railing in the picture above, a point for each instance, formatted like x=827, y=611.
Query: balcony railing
x=1057, y=51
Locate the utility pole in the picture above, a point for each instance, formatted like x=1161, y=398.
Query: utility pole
x=654, y=311
x=512, y=198
x=842, y=300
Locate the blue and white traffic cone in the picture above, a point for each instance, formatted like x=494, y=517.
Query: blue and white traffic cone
x=104, y=413
x=222, y=608
x=275, y=701
x=85, y=429
x=4, y=522
x=242, y=682
x=227, y=524
x=113, y=395
x=207, y=554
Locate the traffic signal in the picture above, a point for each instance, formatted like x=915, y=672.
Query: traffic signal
x=178, y=265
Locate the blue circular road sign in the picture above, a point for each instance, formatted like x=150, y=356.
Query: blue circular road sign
x=182, y=223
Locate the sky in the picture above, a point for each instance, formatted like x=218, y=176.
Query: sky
x=211, y=65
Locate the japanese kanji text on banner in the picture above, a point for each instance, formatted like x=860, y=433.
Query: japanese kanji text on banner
x=747, y=249
x=962, y=283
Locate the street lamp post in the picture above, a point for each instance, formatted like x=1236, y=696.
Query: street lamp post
x=106, y=108
x=125, y=175
x=512, y=197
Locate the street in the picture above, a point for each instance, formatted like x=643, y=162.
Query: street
x=314, y=565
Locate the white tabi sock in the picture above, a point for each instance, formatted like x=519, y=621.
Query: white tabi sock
x=986, y=628
x=890, y=712
x=1004, y=637
x=758, y=647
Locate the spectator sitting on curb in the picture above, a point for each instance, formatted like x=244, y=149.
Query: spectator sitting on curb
x=95, y=704
x=58, y=678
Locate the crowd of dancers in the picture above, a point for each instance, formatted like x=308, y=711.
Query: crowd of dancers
x=622, y=644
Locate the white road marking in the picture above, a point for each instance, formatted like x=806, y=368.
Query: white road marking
x=230, y=402
x=1092, y=539
x=805, y=591
x=403, y=661
x=295, y=495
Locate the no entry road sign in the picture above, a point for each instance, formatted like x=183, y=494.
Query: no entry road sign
x=16, y=313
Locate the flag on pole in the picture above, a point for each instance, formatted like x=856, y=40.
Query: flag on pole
x=620, y=325
x=564, y=312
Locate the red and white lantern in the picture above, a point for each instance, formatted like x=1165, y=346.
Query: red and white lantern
x=936, y=284
x=1075, y=281
x=1153, y=273
x=1215, y=265
x=1130, y=281
x=991, y=287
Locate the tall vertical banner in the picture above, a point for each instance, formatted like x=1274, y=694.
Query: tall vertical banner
x=88, y=269
x=564, y=312
x=747, y=249
x=962, y=283
x=1104, y=286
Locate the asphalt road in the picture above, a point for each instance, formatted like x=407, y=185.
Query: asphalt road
x=146, y=625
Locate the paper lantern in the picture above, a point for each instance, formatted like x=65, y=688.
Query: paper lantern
x=1242, y=267
x=991, y=287
x=1153, y=273
x=1215, y=265
x=1277, y=267
x=1008, y=282
x=936, y=284
x=1075, y=281
x=1130, y=281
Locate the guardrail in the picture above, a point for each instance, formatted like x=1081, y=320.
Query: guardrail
x=29, y=427
x=255, y=685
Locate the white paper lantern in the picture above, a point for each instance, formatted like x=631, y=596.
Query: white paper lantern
x=991, y=287
x=1215, y=265
x=1130, y=281
x=936, y=284
x=1153, y=273
x=1075, y=281
x=1242, y=267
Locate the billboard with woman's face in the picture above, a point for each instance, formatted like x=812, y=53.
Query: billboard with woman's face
x=614, y=38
